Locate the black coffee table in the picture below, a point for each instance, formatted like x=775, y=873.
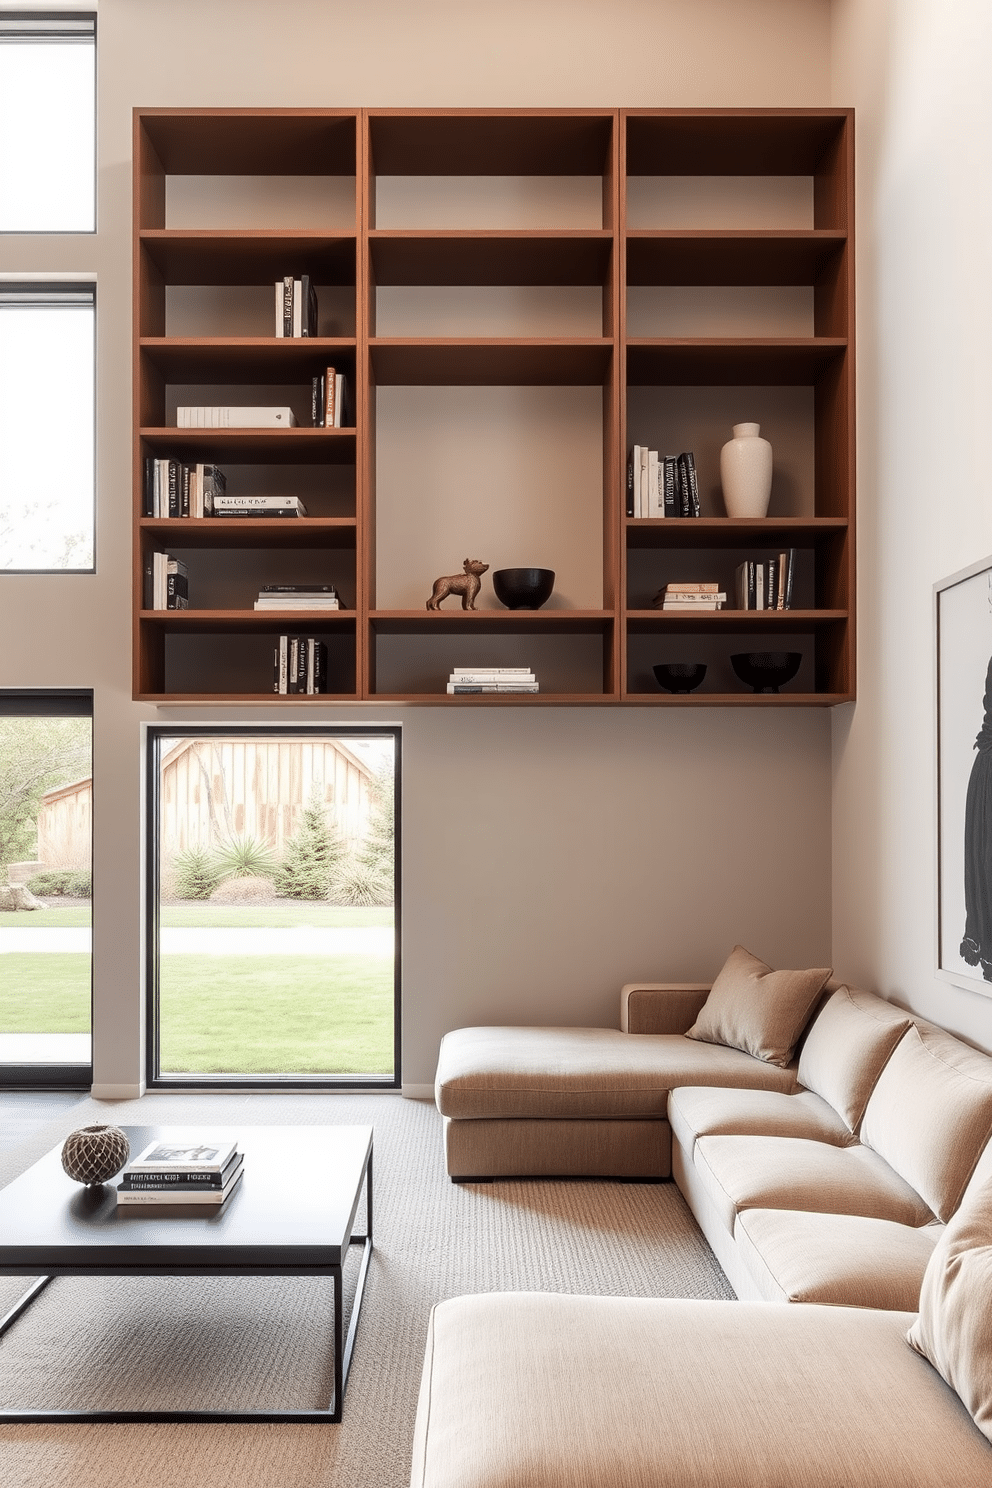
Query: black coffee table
x=292, y=1214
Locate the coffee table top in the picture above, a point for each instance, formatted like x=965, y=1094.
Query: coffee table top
x=291, y=1213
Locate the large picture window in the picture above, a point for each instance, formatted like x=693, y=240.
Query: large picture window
x=46, y=800
x=47, y=121
x=274, y=906
x=47, y=345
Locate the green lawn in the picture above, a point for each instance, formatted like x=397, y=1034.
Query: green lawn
x=72, y=917
x=42, y=993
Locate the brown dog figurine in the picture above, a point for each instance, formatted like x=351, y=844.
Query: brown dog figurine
x=466, y=584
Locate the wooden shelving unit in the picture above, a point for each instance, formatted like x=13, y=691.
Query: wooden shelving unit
x=202, y=318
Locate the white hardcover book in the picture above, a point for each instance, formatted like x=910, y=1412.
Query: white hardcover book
x=338, y=398
x=655, y=508
x=297, y=308
x=279, y=292
x=759, y=586
x=644, y=500
x=159, y=575
x=525, y=678
x=283, y=663
x=235, y=418
x=500, y=671
x=311, y=656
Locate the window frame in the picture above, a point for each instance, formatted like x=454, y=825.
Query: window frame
x=155, y=734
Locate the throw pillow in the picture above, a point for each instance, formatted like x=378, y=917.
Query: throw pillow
x=847, y=1046
x=954, y=1327
x=758, y=1010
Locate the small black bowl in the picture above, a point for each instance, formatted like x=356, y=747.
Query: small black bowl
x=679, y=676
x=523, y=588
x=766, y=671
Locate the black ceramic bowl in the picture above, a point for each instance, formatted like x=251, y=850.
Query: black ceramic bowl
x=679, y=676
x=523, y=588
x=766, y=671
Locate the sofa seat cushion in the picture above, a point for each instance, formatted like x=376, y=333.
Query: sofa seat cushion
x=703, y=1111
x=794, y=1173
x=930, y=1114
x=582, y=1073
x=847, y=1046
x=534, y=1390
x=844, y=1260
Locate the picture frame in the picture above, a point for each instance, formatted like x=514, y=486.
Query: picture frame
x=963, y=696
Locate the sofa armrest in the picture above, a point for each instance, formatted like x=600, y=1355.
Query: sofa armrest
x=661, y=1007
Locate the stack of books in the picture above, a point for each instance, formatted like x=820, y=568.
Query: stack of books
x=299, y=665
x=766, y=585
x=173, y=1173
x=296, y=306
x=298, y=597
x=166, y=583
x=690, y=597
x=174, y=489
x=327, y=399
x=661, y=485
x=259, y=506
x=491, y=679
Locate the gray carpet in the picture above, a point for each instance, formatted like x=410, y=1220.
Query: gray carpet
x=213, y=1342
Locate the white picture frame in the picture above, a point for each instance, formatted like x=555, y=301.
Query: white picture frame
x=963, y=645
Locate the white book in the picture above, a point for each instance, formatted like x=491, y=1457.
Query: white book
x=258, y=503
x=234, y=418
x=644, y=500
x=279, y=293
x=500, y=671
x=190, y=1154
x=160, y=572
x=680, y=597
x=759, y=586
x=297, y=308
x=656, y=508
x=338, y=398
x=457, y=688
x=302, y=602
x=484, y=676
x=681, y=604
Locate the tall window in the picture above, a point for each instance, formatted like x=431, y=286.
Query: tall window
x=46, y=427
x=47, y=121
x=274, y=906
x=46, y=793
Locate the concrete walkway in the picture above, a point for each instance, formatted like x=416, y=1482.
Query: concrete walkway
x=297, y=940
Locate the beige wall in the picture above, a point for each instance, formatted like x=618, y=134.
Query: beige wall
x=917, y=71
x=547, y=856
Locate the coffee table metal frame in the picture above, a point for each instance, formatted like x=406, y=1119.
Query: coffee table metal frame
x=343, y=1344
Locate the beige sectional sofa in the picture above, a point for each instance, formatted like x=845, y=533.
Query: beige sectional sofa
x=851, y=1167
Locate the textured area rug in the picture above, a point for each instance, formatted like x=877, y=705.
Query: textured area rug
x=213, y=1343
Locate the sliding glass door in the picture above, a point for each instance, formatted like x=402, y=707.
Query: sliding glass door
x=274, y=906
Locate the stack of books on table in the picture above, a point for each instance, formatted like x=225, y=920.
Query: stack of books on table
x=299, y=664
x=298, y=597
x=259, y=506
x=187, y=1173
x=491, y=679
x=690, y=597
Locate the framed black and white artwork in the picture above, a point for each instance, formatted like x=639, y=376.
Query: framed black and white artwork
x=963, y=616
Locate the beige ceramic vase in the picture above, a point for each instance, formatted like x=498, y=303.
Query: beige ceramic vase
x=746, y=472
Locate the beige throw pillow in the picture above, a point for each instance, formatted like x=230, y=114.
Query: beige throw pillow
x=954, y=1327
x=760, y=1011
x=845, y=1050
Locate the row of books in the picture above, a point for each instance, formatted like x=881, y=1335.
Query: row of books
x=296, y=307
x=327, y=399
x=491, y=679
x=299, y=665
x=298, y=597
x=166, y=583
x=166, y=1173
x=766, y=585
x=174, y=489
x=689, y=597
x=661, y=485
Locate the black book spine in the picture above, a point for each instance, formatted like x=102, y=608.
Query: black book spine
x=790, y=564
x=771, y=585
x=690, y=499
x=184, y=490
x=315, y=402
x=630, y=485
x=287, y=306
x=320, y=667
x=305, y=292
x=672, y=486
x=752, y=585
x=275, y=667
x=173, y=488
x=148, y=489
x=301, y=664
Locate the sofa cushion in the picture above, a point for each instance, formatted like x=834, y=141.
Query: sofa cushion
x=758, y=1010
x=526, y=1390
x=702, y=1111
x=844, y=1260
x=930, y=1114
x=793, y=1173
x=582, y=1073
x=954, y=1327
x=847, y=1044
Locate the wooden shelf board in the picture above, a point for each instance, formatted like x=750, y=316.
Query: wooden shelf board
x=482, y=362
x=728, y=532
x=266, y=622
x=490, y=257
x=490, y=142
x=247, y=359
x=280, y=446
x=730, y=257
x=231, y=699
x=250, y=256
x=738, y=699
x=646, y=622
x=730, y=142
x=718, y=362
x=471, y=622
x=495, y=700
x=252, y=532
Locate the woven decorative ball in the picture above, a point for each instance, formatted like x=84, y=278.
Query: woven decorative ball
x=95, y=1153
